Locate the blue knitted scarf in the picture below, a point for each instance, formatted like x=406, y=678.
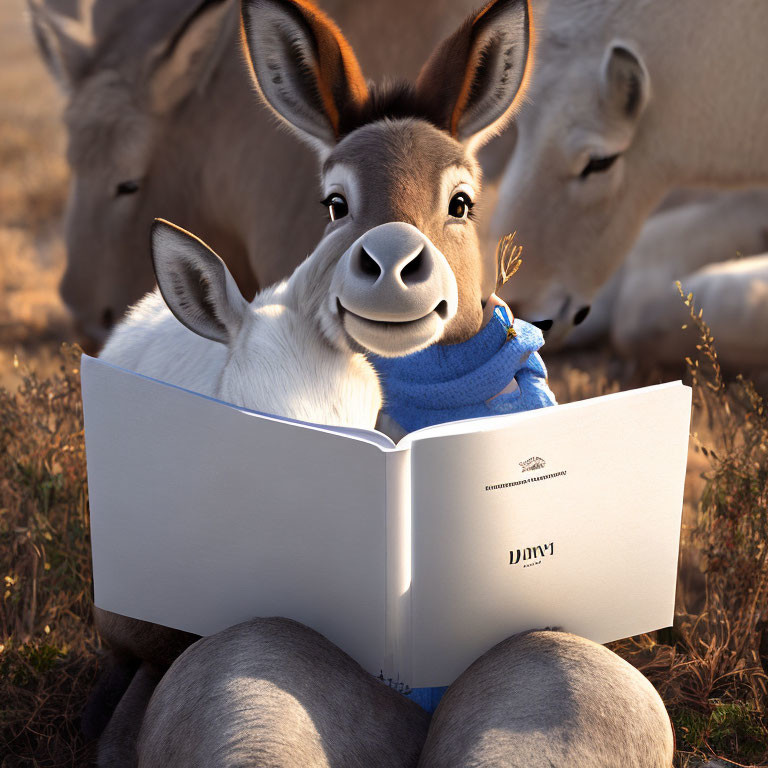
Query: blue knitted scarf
x=462, y=381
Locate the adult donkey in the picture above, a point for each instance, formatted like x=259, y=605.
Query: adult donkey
x=398, y=162
x=162, y=122
x=630, y=98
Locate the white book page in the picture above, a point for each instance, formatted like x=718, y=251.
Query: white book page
x=204, y=515
x=584, y=536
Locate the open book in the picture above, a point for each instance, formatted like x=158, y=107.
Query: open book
x=414, y=558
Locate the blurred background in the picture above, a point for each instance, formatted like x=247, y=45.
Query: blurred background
x=150, y=102
x=33, y=190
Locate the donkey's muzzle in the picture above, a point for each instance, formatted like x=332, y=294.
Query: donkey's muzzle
x=394, y=289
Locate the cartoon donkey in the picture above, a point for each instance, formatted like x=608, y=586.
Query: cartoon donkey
x=398, y=267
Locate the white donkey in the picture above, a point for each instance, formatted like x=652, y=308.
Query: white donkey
x=629, y=99
x=398, y=267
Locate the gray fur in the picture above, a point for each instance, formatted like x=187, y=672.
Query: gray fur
x=626, y=79
x=272, y=692
x=401, y=164
x=549, y=699
x=117, y=746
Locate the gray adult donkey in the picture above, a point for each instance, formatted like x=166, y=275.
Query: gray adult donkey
x=400, y=178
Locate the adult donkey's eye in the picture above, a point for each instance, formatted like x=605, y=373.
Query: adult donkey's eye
x=598, y=165
x=336, y=205
x=129, y=187
x=460, y=206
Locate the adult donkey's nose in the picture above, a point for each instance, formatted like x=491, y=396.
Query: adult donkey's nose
x=394, y=273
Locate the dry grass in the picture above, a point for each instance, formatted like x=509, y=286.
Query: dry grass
x=711, y=668
x=48, y=659
x=708, y=670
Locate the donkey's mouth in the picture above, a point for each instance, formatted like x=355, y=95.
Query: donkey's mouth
x=394, y=338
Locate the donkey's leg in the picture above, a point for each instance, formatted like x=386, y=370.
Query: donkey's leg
x=549, y=699
x=274, y=693
x=113, y=682
x=117, y=746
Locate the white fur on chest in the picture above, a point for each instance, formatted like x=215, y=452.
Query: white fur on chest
x=298, y=373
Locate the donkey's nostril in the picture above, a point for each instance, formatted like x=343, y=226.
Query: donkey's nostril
x=581, y=315
x=107, y=318
x=411, y=272
x=368, y=265
x=442, y=309
x=544, y=325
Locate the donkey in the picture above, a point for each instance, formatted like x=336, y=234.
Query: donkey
x=398, y=268
x=148, y=84
x=625, y=104
x=400, y=178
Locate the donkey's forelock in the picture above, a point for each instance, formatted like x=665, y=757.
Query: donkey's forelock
x=393, y=101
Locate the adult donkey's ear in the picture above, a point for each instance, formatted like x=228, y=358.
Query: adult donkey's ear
x=302, y=66
x=195, y=283
x=476, y=78
x=66, y=44
x=186, y=59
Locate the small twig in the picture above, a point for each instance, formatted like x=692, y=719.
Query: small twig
x=508, y=259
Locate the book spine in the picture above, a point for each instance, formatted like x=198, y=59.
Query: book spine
x=397, y=663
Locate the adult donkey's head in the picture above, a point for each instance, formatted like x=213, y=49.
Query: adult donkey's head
x=132, y=74
x=399, y=265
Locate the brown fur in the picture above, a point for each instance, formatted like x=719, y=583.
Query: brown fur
x=399, y=163
x=339, y=80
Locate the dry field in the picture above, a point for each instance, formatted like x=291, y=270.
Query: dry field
x=708, y=669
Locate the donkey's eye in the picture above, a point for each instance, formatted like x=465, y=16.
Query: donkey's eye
x=336, y=205
x=598, y=165
x=460, y=206
x=129, y=187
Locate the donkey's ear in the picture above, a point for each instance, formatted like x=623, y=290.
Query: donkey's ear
x=65, y=43
x=186, y=59
x=195, y=283
x=625, y=86
x=302, y=66
x=476, y=78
